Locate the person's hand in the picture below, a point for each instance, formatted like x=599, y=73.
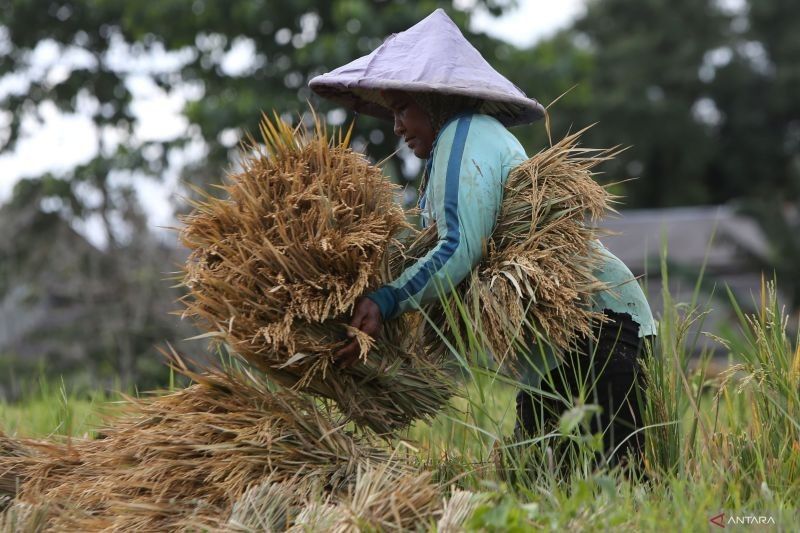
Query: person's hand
x=366, y=317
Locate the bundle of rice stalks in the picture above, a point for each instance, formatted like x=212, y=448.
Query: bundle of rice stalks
x=269, y=506
x=180, y=461
x=383, y=497
x=277, y=263
x=381, y=500
x=21, y=460
x=457, y=510
x=536, y=279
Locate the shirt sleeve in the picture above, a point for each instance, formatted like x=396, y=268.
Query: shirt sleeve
x=466, y=189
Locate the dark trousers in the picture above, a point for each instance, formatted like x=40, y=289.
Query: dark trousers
x=611, y=364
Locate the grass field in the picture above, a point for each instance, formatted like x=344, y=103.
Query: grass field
x=727, y=443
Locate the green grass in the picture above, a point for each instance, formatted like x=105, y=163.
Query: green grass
x=51, y=410
x=713, y=443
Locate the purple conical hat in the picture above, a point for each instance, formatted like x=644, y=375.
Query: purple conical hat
x=431, y=56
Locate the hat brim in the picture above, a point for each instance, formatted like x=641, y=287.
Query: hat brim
x=433, y=57
x=366, y=98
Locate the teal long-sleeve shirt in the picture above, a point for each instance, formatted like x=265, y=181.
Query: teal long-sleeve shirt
x=472, y=157
x=470, y=163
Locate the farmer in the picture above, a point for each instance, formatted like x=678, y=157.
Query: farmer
x=452, y=109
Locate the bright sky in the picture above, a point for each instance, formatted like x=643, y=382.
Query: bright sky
x=63, y=141
x=531, y=21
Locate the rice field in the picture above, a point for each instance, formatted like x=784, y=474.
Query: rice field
x=724, y=443
x=280, y=438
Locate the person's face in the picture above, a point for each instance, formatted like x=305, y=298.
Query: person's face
x=411, y=123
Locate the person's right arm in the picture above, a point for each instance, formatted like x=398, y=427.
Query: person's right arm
x=465, y=192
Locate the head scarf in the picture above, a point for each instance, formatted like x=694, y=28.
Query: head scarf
x=440, y=108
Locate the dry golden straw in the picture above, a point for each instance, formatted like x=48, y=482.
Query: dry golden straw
x=182, y=460
x=539, y=270
x=277, y=263
x=381, y=498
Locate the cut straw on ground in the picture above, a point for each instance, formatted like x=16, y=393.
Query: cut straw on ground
x=183, y=459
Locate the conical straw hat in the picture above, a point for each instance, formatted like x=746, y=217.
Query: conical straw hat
x=431, y=56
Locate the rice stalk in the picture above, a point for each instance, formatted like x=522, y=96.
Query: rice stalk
x=280, y=259
x=381, y=500
x=457, y=509
x=182, y=460
x=268, y=506
x=316, y=516
x=382, y=497
x=539, y=271
x=766, y=382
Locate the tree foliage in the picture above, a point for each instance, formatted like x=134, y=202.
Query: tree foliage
x=704, y=94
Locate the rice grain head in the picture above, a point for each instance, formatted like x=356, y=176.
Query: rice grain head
x=540, y=266
x=277, y=263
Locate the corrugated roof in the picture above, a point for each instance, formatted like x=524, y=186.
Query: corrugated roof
x=687, y=232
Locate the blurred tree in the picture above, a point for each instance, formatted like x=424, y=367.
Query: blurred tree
x=646, y=92
x=756, y=91
x=279, y=45
x=703, y=92
x=67, y=308
x=555, y=72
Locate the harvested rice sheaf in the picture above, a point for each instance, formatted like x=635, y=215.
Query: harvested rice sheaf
x=539, y=272
x=382, y=497
x=457, y=509
x=278, y=261
x=182, y=460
